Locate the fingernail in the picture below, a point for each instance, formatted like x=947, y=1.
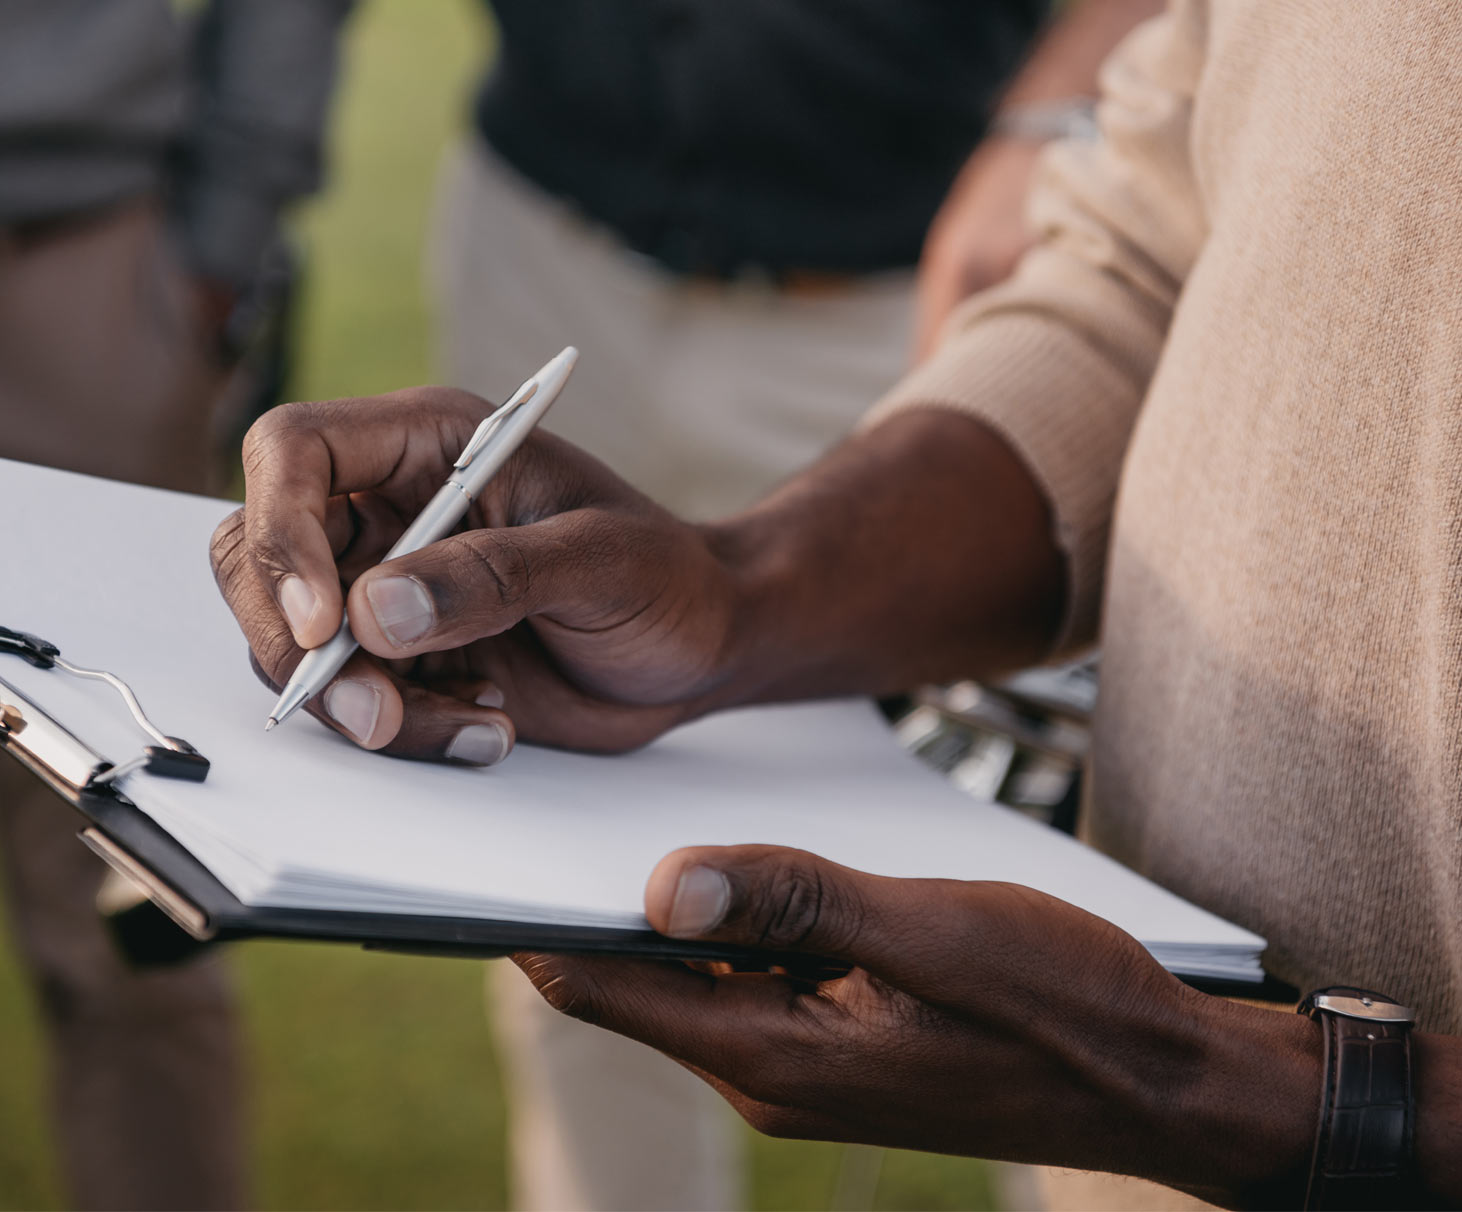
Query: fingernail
x=402, y=608
x=299, y=603
x=702, y=897
x=355, y=707
x=491, y=697
x=479, y=745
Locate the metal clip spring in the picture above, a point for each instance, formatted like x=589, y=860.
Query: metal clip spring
x=171, y=757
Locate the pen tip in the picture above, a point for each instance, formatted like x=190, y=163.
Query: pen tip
x=270, y=723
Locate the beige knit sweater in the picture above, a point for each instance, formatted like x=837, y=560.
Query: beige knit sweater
x=1235, y=365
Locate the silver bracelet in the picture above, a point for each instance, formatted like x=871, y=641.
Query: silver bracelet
x=1042, y=121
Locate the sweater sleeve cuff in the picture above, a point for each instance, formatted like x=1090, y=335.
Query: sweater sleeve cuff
x=1063, y=407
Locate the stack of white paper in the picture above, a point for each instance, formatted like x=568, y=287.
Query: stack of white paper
x=118, y=578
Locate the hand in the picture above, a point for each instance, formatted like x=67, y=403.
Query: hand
x=569, y=608
x=981, y=1018
x=978, y=235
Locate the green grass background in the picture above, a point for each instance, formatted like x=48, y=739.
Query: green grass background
x=374, y=1080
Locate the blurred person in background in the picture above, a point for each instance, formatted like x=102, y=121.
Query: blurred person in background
x=143, y=168
x=723, y=205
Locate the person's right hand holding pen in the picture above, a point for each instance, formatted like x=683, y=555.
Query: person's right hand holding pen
x=572, y=610
x=492, y=444
x=533, y=614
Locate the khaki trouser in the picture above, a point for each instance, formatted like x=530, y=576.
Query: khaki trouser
x=701, y=393
x=102, y=370
x=704, y=395
x=1081, y=1191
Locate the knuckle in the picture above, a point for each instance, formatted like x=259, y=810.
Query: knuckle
x=456, y=408
x=434, y=399
x=496, y=564
x=275, y=646
x=269, y=543
x=268, y=552
x=279, y=431
x=889, y=1013
x=807, y=904
x=449, y=414
x=799, y=907
x=272, y=650
x=566, y=988
x=224, y=548
x=265, y=434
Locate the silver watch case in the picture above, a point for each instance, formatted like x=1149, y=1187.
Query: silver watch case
x=1364, y=1007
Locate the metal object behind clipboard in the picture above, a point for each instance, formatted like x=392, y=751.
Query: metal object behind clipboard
x=1022, y=741
x=58, y=756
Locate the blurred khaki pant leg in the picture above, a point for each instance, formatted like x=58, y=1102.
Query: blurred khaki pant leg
x=102, y=371
x=704, y=395
x=1083, y=1191
x=597, y=1121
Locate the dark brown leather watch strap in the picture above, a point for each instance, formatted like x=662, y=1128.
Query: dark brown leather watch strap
x=1363, y=1147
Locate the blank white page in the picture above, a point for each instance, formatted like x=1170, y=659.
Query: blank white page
x=118, y=577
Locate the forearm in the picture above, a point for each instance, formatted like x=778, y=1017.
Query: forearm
x=918, y=550
x=1237, y=1126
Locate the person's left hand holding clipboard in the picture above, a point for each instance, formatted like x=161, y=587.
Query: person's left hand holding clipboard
x=567, y=607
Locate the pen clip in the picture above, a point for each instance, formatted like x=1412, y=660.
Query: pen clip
x=493, y=422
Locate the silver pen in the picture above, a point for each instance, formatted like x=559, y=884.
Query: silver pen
x=494, y=441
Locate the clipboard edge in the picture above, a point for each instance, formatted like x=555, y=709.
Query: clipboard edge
x=136, y=847
x=183, y=912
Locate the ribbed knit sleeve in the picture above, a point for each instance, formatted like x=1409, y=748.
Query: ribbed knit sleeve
x=1058, y=359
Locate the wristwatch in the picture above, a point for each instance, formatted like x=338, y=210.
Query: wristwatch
x=1363, y=1146
x=1042, y=121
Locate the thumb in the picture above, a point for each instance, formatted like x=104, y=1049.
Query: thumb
x=479, y=583
x=789, y=900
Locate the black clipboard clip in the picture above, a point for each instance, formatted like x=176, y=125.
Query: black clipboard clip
x=169, y=757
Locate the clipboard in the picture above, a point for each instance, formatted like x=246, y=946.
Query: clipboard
x=143, y=853
x=138, y=849
x=305, y=836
